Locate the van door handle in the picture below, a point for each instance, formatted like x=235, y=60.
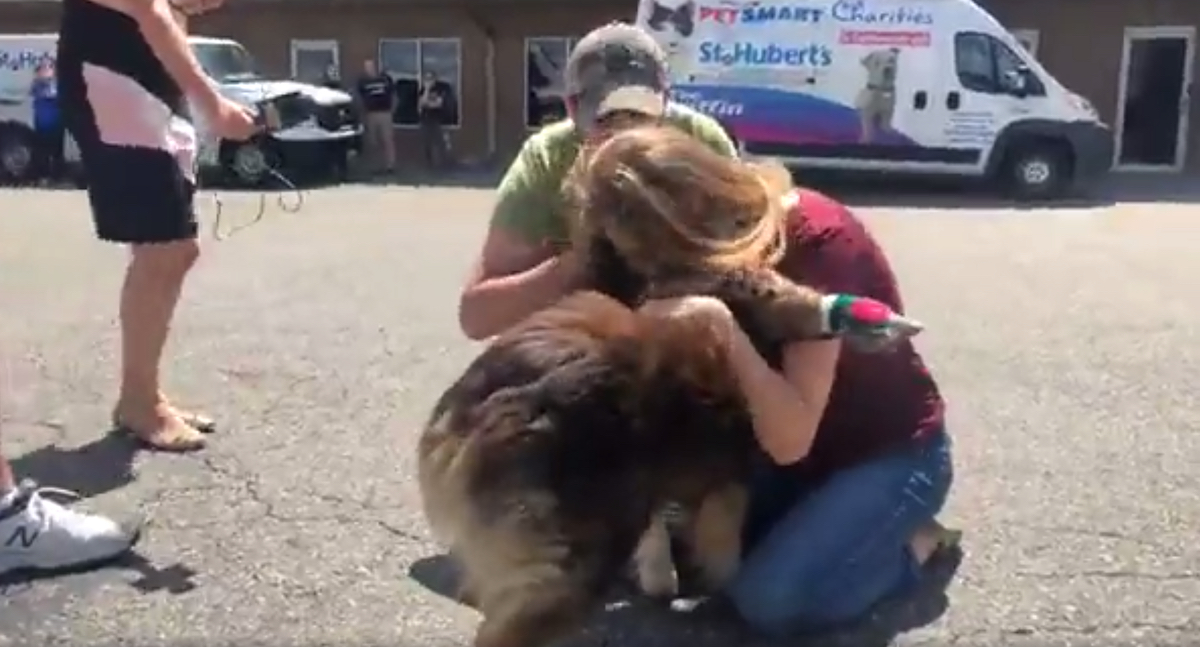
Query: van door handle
x=953, y=100
x=920, y=100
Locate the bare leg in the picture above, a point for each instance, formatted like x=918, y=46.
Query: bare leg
x=153, y=283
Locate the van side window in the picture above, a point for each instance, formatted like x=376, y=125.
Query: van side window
x=983, y=63
x=1009, y=63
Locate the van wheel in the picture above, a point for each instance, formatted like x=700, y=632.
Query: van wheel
x=16, y=154
x=1037, y=171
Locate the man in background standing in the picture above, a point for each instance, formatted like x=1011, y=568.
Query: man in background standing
x=376, y=95
x=47, y=123
x=432, y=107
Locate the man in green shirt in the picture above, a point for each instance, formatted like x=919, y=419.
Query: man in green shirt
x=616, y=73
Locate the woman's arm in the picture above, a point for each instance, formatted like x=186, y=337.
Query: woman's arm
x=786, y=407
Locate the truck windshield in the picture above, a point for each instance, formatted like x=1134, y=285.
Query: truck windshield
x=226, y=62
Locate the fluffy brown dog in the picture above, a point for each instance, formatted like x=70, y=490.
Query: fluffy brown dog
x=542, y=466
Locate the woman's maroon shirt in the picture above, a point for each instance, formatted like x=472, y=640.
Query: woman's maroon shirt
x=879, y=402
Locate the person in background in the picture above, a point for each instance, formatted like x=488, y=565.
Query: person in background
x=332, y=78
x=433, y=104
x=376, y=95
x=47, y=123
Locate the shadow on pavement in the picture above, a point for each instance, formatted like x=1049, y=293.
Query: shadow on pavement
x=641, y=621
x=175, y=579
x=101, y=466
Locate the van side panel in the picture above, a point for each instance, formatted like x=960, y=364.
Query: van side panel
x=848, y=82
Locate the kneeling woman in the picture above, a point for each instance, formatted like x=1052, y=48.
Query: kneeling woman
x=856, y=455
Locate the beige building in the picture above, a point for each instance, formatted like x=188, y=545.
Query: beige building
x=1134, y=59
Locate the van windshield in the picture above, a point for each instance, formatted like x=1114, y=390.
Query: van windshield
x=226, y=62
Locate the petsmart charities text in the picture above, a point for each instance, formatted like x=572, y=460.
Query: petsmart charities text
x=730, y=54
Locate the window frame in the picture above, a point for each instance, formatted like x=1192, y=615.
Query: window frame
x=420, y=42
x=297, y=45
x=569, y=41
x=993, y=44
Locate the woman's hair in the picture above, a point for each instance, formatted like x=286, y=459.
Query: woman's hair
x=667, y=201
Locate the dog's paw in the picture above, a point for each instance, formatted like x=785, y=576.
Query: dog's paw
x=658, y=580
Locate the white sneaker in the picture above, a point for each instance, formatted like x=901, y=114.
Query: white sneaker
x=38, y=535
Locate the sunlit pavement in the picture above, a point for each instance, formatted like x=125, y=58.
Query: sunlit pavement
x=1066, y=341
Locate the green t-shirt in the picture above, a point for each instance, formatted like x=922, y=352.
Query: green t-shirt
x=530, y=201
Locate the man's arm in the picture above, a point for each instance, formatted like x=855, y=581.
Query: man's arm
x=709, y=131
x=519, y=270
x=163, y=30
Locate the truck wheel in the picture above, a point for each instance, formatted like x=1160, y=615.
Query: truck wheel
x=1037, y=170
x=246, y=163
x=16, y=154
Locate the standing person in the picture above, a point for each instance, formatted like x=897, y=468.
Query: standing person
x=125, y=75
x=615, y=78
x=377, y=96
x=47, y=123
x=432, y=106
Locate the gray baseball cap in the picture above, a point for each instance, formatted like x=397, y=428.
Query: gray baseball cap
x=617, y=67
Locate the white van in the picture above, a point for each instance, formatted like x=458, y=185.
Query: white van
x=331, y=132
x=924, y=86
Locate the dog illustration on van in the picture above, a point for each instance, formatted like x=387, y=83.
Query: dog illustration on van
x=876, y=102
x=673, y=22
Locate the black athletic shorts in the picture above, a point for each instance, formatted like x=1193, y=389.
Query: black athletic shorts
x=138, y=158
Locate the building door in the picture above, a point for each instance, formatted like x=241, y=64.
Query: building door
x=1153, y=98
x=312, y=59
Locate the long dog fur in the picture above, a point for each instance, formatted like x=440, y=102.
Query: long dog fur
x=543, y=466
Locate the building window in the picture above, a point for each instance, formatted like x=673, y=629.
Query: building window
x=408, y=60
x=1029, y=40
x=545, y=58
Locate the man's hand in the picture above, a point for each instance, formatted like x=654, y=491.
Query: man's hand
x=228, y=119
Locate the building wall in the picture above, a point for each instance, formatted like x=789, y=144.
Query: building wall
x=1080, y=42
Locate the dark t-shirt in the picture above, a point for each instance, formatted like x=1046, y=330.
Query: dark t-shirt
x=436, y=115
x=879, y=402
x=375, y=92
x=92, y=34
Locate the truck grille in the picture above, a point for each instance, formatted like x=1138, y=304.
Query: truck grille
x=337, y=117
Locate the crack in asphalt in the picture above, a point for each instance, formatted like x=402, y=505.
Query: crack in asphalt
x=252, y=483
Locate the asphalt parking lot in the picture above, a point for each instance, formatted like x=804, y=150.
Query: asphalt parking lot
x=1066, y=339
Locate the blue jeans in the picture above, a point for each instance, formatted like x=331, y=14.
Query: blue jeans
x=828, y=556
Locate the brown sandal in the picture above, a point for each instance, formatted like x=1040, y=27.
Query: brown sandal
x=177, y=439
x=197, y=421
